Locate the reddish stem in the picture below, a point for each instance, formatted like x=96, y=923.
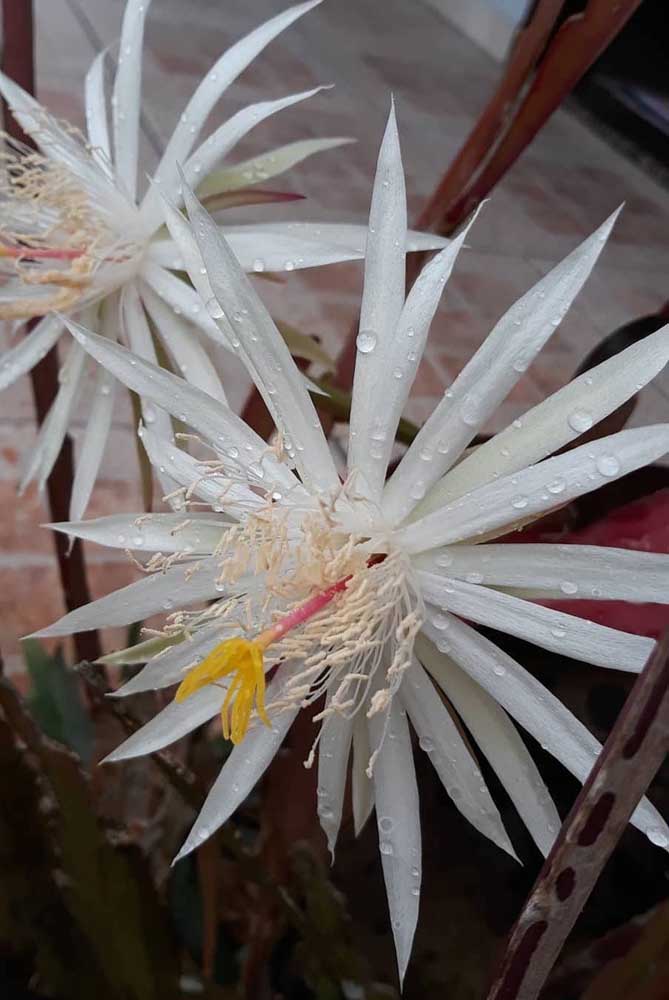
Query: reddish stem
x=18, y=63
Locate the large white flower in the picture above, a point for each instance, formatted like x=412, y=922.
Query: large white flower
x=75, y=235
x=368, y=591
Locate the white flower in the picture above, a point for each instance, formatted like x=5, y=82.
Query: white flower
x=367, y=590
x=75, y=236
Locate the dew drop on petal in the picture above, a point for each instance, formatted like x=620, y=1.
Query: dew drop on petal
x=213, y=308
x=426, y=744
x=499, y=670
x=556, y=486
x=386, y=848
x=386, y=824
x=608, y=465
x=580, y=420
x=366, y=341
x=258, y=265
x=519, y=502
x=569, y=587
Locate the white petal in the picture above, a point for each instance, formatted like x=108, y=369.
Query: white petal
x=183, y=299
x=577, y=637
x=556, y=571
x=58, y=145
x=333, y=752
x=536, y=709
x=502, y=504
x=279, y=379
x=179, y=586
x=169, y=725
x=241, y=771
x=362, y=787
x=223, y=72
x=52, y=433
x=382, y=301
x=96, y=112
x=93, y=444
x=186, y=351
x=140, y=342
x=266, y=165
x=501, y=743
x=126, y=96
x=227, y=136
x=169, y=667
x=559, y=419
x=398, y=821
x=195, y=534
x=458, y=770
x=212, y=419
x=403, y=355
x=490, y=375
x=29, y=350
x=235, y=498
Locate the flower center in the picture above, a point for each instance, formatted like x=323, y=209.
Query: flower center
x=52, y=236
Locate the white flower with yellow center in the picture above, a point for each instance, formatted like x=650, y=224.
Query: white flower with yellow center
x=367, y=591
x=76, y=236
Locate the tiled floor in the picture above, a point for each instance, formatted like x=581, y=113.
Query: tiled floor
x=566, y=183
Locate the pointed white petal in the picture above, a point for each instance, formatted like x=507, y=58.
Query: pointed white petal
x=577, y=637
x=96, y=112
x=265, y=166
x=241, y=771
x=501, y=743
x=382, y=301
x=227, y=136
x=557, y=420
x=362, y=787
x=93, y=444
x=186, y=351
x=140, y=341
x=183, y=299
x=169, y=667
x=194, y=534
x=210, y=418
x=169, y=725
x=60, y=146
x=29, y=350
x=177, y=587
x=535, y=709
x=279, y=379
x=234, y=498
x=52, y=433
x=500, y=505
x=398, y=821
x=403, y=356
x=490, y=375
x=556, y=571
x=126, y=96
x=458, y=770
x=223, y=72
x=333, y=752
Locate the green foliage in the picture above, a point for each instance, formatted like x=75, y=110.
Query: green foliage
x=55, y=700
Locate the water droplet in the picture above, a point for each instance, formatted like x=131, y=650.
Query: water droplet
x=519, y=502
x=426, y=744
x=608, y=465
x=398, y=373
x=499, y=670
x=470, y=410
x=213, y=308
x=289, y=265
x=168, y=603
x=258, y=265
x=444, y=559
x=386, y=848
x=557, y=486
x=440, y=622
x=137, y=542
x=417, y=491
x=366, y=341
x=568, y=587
x=415, y=872
x=426, y=454
x=580, y=421
x=522, y=361
x=386, y=824
x=474, y=578
x=558, y=633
